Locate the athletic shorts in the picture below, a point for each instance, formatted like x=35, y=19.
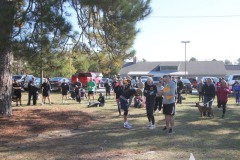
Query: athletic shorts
x=46, y=93
x=90, y=92
x=64, y=93
x=169, y=109
x=124, y=104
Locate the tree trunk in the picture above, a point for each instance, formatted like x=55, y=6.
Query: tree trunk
x=6, y=56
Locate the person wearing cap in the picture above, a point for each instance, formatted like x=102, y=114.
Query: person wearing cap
x=169, y=100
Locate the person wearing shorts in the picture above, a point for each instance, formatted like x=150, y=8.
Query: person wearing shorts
x=91, y=89
x=46, y=88
x=125, y=102
x=168, y=93
x=118, y=90
x=17, y=92
x=64, y=89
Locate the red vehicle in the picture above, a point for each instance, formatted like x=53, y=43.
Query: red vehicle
x=84, y=78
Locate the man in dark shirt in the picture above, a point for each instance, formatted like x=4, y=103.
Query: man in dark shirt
x=208, y=93
x=65, y=89
x=32, y=91
x=179, y=90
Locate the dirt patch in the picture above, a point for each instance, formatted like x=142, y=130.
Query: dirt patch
x=45, y=123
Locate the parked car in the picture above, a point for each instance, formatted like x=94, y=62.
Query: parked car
x=56, y=82
x=156, y=79
x=17, y=77
x=38, y=81
x=187, y=86
x=84, y=78
x=194, y=82
x=232, y=79
x=103, y=81
x=25, y=79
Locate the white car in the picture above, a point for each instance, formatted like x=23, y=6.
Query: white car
x=25, y=80
x=232, y=78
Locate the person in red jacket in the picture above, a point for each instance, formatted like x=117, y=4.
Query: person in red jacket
x=222, y=92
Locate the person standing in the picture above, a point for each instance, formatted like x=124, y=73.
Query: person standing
x=32, y=92
x=46, y=88
x=91, y=85
x=159, y=97
x=17, y=92
x=168, y=93
x=209, y=92
x=199, y=89
x=77, y=83
x=64, y=90
x=107, y=86
x=222, y=92
x=236, y=92
x=179, y=90
x=140, y=85
x=150, y=92
x=118, y=90
x=125, y=102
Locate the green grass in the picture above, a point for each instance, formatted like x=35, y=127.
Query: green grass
x=207, y=138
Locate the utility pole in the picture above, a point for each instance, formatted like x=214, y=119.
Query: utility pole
x=185, y=42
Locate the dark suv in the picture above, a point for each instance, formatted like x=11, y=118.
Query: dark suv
x=187, y=86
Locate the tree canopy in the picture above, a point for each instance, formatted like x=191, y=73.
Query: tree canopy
x=43, y=37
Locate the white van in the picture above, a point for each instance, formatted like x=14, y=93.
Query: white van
x=232, y=78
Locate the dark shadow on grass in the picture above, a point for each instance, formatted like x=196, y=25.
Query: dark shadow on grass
x=205, y=137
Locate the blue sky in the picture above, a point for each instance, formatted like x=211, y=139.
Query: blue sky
x=211, y=26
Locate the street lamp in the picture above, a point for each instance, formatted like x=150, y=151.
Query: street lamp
x=185, y=42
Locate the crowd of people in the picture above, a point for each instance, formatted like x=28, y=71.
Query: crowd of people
x=163, y=96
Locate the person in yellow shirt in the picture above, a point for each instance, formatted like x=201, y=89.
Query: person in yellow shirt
x=168, y=93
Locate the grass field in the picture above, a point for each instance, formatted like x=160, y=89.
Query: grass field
x=73, y=131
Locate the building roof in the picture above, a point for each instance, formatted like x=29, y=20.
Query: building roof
x=232, y=69
x=192, y=68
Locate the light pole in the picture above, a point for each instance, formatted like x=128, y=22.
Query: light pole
x=185, y=42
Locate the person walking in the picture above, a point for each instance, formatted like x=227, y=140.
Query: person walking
x=46, y=89
x=209, y=92
x=222, y=92
x=32, y=92
x=150, y=92
x=125, y=101
x=179, y=90
x=64, y=90
x=168, y=93
x=17, y=92
x=199, y=89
